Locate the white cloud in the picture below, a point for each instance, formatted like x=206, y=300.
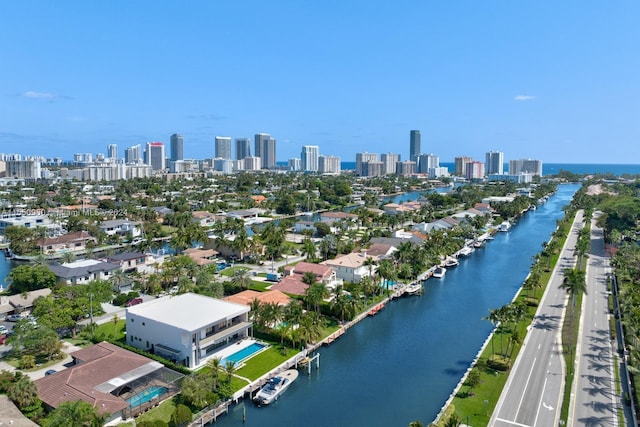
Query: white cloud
x=523, y=98
x=39, y=95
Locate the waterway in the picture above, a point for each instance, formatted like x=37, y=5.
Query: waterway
x=403, y=364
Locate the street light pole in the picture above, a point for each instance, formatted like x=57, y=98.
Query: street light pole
x=91, y=312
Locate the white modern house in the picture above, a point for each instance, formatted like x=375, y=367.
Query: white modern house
x=188, y=328
x=83, y=271
x=121, y=227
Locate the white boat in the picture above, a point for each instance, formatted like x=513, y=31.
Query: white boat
x=505, y=226
x=450, y=262
x=275, y=386
x=439, y=272
x=478, y=244
x=465, y=251
x=414, y=289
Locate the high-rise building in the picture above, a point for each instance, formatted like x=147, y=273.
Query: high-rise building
x=243, y=148
x=133, y=155
x=390, y=160
x=362, y=159
x=252, y=163
x=427, y=162
x=371, y=169
x=517, y=167
x=461, y=165
x=406, y=168
x=494, y=163
x=475, y=170
x=329, y=164
x=223, y=147
x=23, y=169
x=414, y=145
x=309, y=158
x=154, y=155
x=112, y=151
x=177, y=147
x=294, y=165
x=265, y=148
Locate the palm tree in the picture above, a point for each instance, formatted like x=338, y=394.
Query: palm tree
x=370, y=263
x=494, y=319
x=23, y=392
x=309, y=249
x=230, y=369
x=214, y=365
x=241, y=278
x=574, y=283
x=255, y=313
x=74, y=413
x=119, y=278
x=387, y=271
x=315, y=294
x=115, y=320
x=68, y=257
x=310, y=327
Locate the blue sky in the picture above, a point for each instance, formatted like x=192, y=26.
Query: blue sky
x=555, y=81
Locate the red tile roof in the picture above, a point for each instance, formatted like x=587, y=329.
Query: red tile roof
x=291, y=285
x=308, y=267
x=268, y=297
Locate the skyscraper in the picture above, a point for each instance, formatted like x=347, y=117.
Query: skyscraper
x=154, y=155
x=132, y=154
x=243, y=148
x=494, y=163
x=461, y=165
x=112, y=151
x=265, y=148
x=414, y=145
x=177, y=143
x=390, y=160
x=520, y=166
x=361, y=162
x=329, y=164
x=309, y=157
x=223, y=147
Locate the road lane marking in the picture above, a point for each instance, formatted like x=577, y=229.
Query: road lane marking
x=544, y=386
x=512, y=422
x=526, y=384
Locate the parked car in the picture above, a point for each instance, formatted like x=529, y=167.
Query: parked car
x=3, y=329
x=14, y=317
x=50, y=372
x=133, y=302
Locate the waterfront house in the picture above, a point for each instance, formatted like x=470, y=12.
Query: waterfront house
x=83, y=271
x=115, y=381
x=323, y=273
x=205, y=219
x=202, y=257
x=188, y=329
x=121, y=227
x=291, y=285
x=70, y=242
x=350, y=267
x=268, y=297
x=28, y=221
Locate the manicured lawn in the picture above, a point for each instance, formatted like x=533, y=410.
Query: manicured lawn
x=262, y=363
x=161, y=412
x=108, y=329
x=41, y=362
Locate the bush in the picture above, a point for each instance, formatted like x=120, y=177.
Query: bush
x=181, y=415
x=27, y=361
x=498, y=364
x=154, y=423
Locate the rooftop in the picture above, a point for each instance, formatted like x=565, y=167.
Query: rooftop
x=188, y=312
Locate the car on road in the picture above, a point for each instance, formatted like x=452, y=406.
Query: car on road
x=133, y=302
x=14, y=317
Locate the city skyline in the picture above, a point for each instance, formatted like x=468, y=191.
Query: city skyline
x=514, y=77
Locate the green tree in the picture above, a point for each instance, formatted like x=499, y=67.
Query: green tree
x=74, y=413
x=181, y=415
x=574, y=283
x=30, y=278
x=24, y=393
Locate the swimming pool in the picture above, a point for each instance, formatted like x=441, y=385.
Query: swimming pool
x=146, y=395
x=243, y=354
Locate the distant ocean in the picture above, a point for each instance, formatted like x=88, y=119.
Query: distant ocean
x=550, y=168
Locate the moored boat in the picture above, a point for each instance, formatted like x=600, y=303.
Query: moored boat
x=439, y=272
x=505, y=226
x=414, y=289
x=275, y=386
x=450, y=262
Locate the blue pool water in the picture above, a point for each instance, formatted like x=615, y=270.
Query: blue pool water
x=146, y=395
x=239, y=356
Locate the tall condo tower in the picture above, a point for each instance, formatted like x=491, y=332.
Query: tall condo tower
x=133, y=154
x=309, y=157
x=362, y=160
x=414, y=145
x=154, y=155
x=112, y=151
x=177, y=147
x=223, y=147
x=494, y=163
x=265, y=148
x=243, y=148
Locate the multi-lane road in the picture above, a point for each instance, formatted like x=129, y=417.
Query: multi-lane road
x=533, y=394
x=594, y=401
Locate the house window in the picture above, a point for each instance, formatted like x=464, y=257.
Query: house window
x=142, y=323
x=131, y=320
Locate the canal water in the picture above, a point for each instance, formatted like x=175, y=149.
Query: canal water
x=402, y=364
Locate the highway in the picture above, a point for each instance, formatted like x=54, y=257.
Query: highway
x=594, y=401
x=532, y=395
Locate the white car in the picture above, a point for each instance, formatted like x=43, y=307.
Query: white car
x=3, y=329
